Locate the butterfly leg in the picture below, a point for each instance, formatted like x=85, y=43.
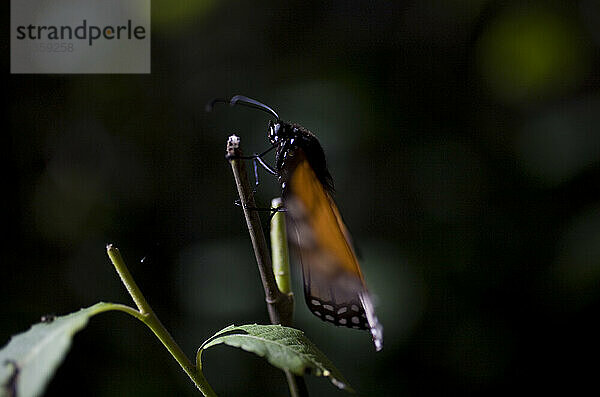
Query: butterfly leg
x=257, y=158
x=267, y=167
x=255, y=164
x=273, y=211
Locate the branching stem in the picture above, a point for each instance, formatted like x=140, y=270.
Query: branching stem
x=147, y=316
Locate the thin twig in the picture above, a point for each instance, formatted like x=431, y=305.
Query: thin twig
x=280, y=305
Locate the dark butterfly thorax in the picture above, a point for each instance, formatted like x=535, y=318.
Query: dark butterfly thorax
x=293, y=143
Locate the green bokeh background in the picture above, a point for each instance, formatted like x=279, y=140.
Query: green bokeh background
x=463, y=140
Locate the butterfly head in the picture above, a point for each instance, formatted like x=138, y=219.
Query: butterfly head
x=274, y=130
x=280, y=131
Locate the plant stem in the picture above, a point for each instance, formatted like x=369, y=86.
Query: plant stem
x=279, y=304
x=279, y=248
x=106, y=307
x=281, y=267
x=127, y=279
x=147, y=316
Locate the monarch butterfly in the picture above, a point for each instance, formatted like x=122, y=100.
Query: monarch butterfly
x=334, y=287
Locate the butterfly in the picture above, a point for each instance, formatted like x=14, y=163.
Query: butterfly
x=334, y=287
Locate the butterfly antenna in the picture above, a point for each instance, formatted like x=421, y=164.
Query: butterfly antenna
x=253, y=103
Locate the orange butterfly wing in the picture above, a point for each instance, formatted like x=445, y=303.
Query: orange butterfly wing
x=334, y=286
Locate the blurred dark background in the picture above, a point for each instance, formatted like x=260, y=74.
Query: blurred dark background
x=463, y=140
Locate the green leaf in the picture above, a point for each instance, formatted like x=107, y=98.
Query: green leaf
x=30, y=359
x=284, y=347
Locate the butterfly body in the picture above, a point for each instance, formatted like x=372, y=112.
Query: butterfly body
x=334, y=287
